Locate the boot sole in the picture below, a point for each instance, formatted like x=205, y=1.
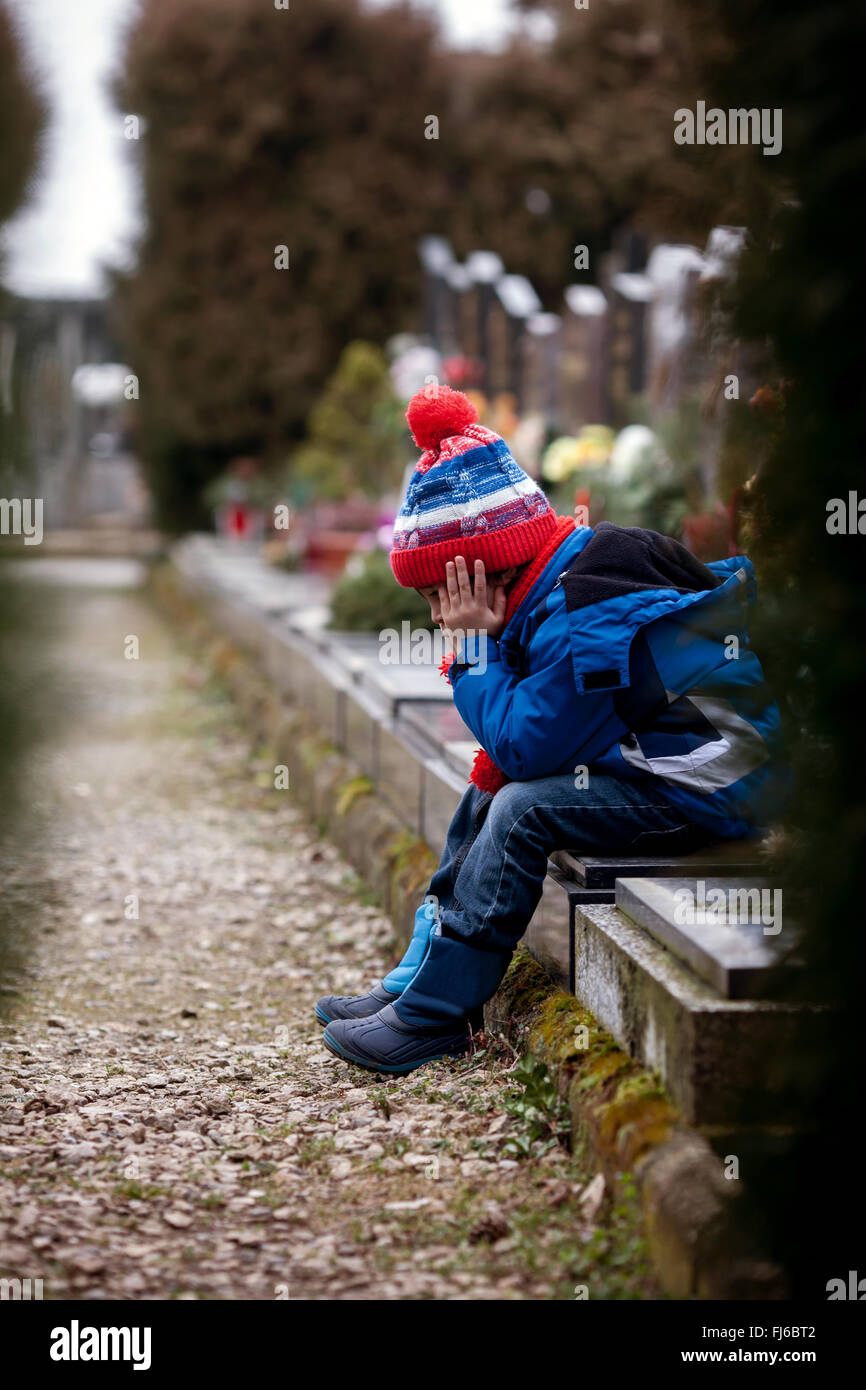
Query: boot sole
x=395, y=1070
x=325, y=1019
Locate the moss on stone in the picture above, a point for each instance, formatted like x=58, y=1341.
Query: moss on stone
x=313, y=750
x=409, y=859
x=349, y=792
x=628, y=1128
x=519, y=997
x=526, y=983
x=598, y=1068
x=642, y=1085
x=619, y=1109
x=223, y=656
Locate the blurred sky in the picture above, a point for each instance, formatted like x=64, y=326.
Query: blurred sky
x=83, y=208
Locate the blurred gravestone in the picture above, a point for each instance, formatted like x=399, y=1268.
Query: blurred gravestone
x=484, y=269
x=437, y=259
x=541, y=349
x=513, y=303
x=461, y=327
x=581, y=379
x=630, y=294
x=674, y=272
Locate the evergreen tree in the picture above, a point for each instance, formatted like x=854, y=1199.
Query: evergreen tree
x=357, y=440
x=262, y=129
x=22, y=117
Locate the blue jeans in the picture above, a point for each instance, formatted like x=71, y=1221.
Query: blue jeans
x=492, y=869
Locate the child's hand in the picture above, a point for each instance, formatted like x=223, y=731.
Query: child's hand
x=465, y=612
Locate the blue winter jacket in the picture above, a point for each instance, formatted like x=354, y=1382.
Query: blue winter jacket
x=631, y=657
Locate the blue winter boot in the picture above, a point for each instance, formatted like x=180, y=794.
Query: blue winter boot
x=434, y=1016
x=335, y=1006
x=385, y=1043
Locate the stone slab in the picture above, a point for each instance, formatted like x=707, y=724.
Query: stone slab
x=349, y=649
x=232, y=569
x=284, y=658
x=552, y=944
x=240, y=623
x=461, y=756
x=400, y=775
x=730, y=949
x=597, y=871
x=433, y=722
x=269, y=595
x=321, y=689
x=362, y=716
x=547, y=935
x=715, y=1056
x=396, y=684
x=311, y=624
x=442, y=790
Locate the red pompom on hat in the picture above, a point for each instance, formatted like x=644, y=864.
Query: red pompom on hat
x=436, y=413
x=467, y=495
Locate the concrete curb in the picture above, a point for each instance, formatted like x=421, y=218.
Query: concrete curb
x=621, y=1116
x=625, y=1123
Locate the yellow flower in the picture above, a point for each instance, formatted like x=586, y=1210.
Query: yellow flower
x=570, y=453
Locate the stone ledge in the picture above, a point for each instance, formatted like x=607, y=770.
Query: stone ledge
x=116, y=541
x=715, y=1055
x=626, y=1123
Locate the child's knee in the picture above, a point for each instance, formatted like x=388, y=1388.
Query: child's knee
x=509, y=805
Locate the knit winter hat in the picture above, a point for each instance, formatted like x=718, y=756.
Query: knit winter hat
x=466, y=497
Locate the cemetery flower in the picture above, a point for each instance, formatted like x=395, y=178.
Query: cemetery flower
x=590, y=448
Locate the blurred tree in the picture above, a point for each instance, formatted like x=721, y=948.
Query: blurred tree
x=569, y=138
x=267, y=128
x=366, y=598
x=22, y=120
x=357, y=439
x=308, y=129
x=22, y=116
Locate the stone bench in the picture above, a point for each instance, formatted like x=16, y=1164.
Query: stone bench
x=675, y=956
x=587, y=879
x=598, y=874
x=715, y=1055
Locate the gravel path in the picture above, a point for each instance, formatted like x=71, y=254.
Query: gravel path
x=170, y=1124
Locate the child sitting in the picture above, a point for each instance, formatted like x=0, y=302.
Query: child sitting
x=608, y=677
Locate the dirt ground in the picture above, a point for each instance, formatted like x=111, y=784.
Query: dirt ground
x=170, y=1123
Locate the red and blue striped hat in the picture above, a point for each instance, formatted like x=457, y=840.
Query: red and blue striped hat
x=466, y=497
